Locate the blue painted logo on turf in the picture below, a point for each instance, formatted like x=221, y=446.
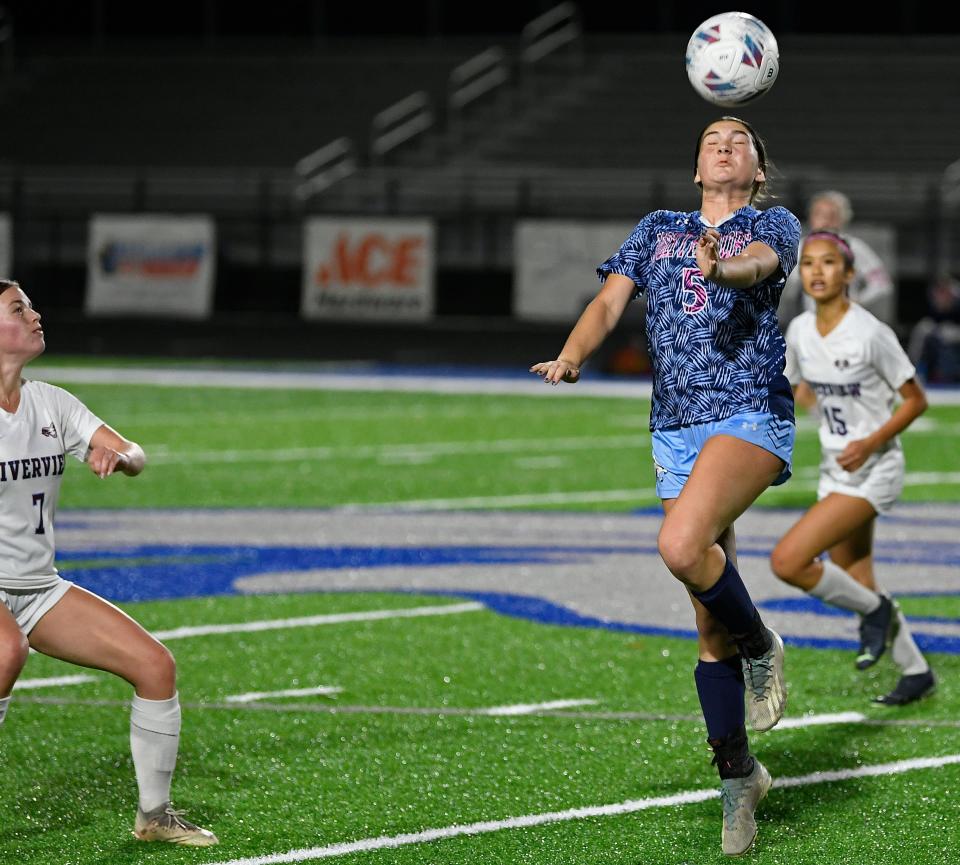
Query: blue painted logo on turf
x=164, y=572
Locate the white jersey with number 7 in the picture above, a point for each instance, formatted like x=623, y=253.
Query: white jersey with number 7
x=48, y=424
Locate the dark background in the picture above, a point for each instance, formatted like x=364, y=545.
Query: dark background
x=434, y=18
x=473, y=303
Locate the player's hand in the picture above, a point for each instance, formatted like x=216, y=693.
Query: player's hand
x=105, y=461
x=556, y=371
x=855, y=455
x=708, y=253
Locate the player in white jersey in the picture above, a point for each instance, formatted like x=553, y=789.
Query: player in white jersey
x=39, y=426
x=852, y=366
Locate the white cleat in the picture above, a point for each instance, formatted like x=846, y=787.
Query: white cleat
x=167, y=824
x=740, y=797
x=766, y=688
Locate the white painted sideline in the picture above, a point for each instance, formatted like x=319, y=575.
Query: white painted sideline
x=423, y=450
x=312, y=621
x=688, y=797
x=817, y=720
x=251, y=696
x=268, y=379
x=530, y=708
x=272, y=379
x=52, y=682
x=802, y=481
x=517, y=500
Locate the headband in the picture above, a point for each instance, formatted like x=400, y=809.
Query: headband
x=836, y=239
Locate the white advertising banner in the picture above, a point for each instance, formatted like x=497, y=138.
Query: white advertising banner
x=555, y=265
x=6, y=247
x=368, y=269
x=150, y=265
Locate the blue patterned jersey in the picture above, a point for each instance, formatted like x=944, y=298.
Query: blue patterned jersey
x=716, y=351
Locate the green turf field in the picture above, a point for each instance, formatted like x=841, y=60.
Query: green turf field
x=243, y=448
x=425, y=726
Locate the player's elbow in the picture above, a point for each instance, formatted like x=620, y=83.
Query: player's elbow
x=135, y=459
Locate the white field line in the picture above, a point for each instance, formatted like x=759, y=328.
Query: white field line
x=518, y=500
x=313, y=621
x=801, y=481
x=423, y=450
x=250, y=696
x=291, y=380
x=530, y=708
x=817, y=720
x=52, y=682
x=287, y=380
x=688, y=797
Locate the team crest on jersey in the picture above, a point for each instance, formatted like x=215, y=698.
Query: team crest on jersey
x=841, y=363
x=49, y=431
x=694, y=298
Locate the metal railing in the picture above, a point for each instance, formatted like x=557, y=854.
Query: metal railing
x=324, y=167
x=50, y=207
x=398, y=124
x=549, y=32
x=479, y=76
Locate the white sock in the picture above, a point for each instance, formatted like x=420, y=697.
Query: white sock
x=4, y=702
x=906, y=653
x=838, y=588
x=154, y=741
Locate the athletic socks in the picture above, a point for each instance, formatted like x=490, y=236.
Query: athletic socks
x=720, y=689
x=838, y=588
x=729, y=602
x=154, y=741
x=905, y=652
x=4, y=703
x=731, y=755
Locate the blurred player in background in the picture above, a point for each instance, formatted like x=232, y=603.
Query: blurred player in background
x=852, y=366
x=722, y=422
x=39, y=425
x=871, y=286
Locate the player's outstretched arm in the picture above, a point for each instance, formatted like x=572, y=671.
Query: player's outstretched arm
x=595, y=323
x=110, y=452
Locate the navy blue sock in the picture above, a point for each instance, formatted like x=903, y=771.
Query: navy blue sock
x=720, y=689
x=730, y=604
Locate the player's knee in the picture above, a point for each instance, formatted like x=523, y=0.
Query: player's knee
x=785, y=564
x=680, y=553
x=14, y=651
x=159, y=667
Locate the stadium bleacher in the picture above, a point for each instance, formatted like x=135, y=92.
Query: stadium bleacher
x=601, y=130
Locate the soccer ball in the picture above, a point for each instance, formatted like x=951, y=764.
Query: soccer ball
x=732, y=58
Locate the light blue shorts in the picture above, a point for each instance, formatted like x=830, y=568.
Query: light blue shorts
x=676, y=450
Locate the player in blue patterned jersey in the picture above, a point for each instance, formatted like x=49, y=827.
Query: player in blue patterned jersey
x=39, y=425
x=722, y=424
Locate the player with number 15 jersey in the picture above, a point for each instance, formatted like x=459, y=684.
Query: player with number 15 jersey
x=855, y=372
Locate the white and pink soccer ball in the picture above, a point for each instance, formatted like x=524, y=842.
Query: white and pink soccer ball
x=732, y=58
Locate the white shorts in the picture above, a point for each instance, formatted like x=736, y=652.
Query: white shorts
x=879, y=480
x=29, y=606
